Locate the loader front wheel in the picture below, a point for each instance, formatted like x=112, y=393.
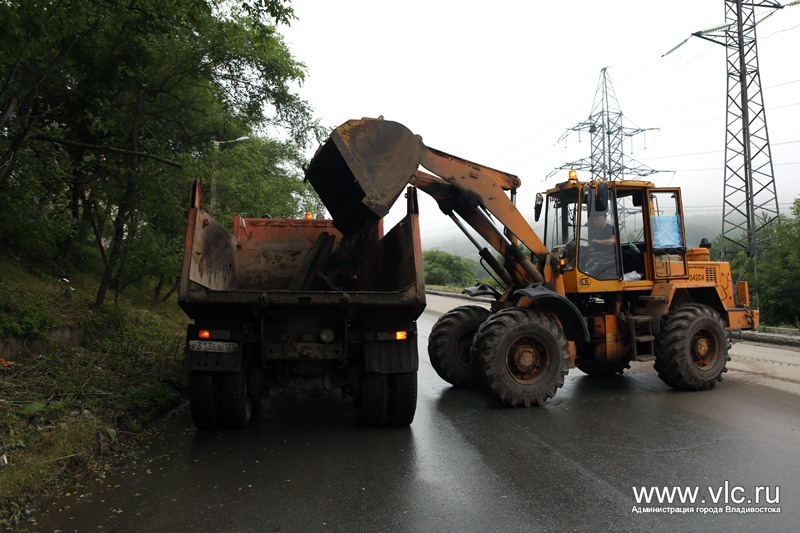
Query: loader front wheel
x=524, y=356
x=450, y=342
x=692, y=349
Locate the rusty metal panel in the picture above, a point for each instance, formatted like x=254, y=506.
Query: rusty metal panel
x=271, y=251
x=211, y=256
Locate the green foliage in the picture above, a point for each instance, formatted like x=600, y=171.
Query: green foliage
x=108, y=111
x=252, y=178
x=779, y=293
x=102, y=102
x=22, y=312
x=770, y=273
x=442, y=268
x=64, y=407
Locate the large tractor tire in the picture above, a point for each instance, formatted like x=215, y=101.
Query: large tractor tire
x=524, y=355
x=602, y=369
x=692, y=348
x=402, y=398
x=203, y=400
x=235, y=400
x=373, y=402
x=450, y=342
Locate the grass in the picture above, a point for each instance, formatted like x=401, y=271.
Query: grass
x=63, y=410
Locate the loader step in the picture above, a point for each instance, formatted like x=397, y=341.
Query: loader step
x=641, y=331
x=654, y=297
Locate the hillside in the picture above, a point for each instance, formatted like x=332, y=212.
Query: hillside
x=77, y=382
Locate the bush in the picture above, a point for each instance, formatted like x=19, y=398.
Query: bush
x=442, y=268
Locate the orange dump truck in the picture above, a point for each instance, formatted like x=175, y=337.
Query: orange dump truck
x=313, y=305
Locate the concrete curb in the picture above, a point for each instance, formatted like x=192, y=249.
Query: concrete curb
x=458, y=296
x=779, y=331
x=767, y=338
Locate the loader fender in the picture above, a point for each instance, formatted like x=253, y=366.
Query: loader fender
x=567, y=313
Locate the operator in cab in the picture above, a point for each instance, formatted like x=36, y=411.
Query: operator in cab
x=598, y=257
x=600, y=231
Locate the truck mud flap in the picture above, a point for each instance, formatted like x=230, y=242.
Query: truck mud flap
x=391, y=356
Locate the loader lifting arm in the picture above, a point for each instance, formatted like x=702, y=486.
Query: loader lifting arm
x=365, y=165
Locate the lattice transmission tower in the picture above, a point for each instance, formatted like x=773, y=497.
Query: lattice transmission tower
x=607, y=133
x=750, y=200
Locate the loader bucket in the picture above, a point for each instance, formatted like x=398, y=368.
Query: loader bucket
x=362, y=168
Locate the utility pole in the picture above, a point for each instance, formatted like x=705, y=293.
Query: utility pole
x=750, y=201
x=607, y=160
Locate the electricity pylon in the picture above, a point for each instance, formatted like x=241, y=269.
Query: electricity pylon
x=607, y=160
x=750, y=200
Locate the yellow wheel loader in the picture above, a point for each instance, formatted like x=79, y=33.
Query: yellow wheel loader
x=611, y=280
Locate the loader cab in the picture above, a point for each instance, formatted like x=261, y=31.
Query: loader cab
x=615, y=234
x=581, y=226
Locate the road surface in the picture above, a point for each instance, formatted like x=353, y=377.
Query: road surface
x=465, y=464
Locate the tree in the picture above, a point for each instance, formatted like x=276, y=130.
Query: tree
x=119, y=95
x=252, y=178
x=442, y=268
x=779, y=292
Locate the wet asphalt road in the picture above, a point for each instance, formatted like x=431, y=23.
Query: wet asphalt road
x=464, y=464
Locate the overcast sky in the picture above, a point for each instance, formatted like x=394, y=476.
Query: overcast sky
x=499, y=82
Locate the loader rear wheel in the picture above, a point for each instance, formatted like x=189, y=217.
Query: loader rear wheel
x=203, y=400
x=692, y=349
x=402, y=398
x=450, y=342
x=602, y=369
x=373, y=402
x=235, y=400
x=524, y=355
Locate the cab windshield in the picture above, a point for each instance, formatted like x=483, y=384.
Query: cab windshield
x=585, y=236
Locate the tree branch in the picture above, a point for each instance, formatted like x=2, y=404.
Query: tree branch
x=102, y=148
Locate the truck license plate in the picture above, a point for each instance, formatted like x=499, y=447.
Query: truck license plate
x=213, y=346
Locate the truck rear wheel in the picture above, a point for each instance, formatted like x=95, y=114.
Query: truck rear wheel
x=524, y=355
x=450, y=342
x=402, y=398
x=203, y=400
x=374, y=399
x=235, y=401
x=692, y=349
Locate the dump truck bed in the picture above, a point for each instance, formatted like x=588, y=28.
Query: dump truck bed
x=269, y=263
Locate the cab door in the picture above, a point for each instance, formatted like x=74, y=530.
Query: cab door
x=667, y=234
